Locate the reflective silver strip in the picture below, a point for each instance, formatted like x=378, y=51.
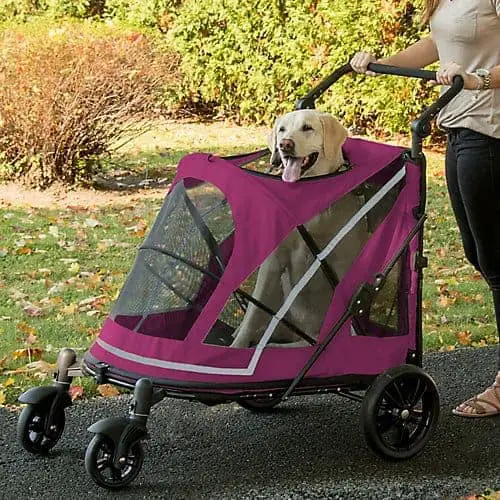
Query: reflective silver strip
x=170, y=365
x=212, y=370
x=351, y=223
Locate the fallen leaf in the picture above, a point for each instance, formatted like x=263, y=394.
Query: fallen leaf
x=70, y=309
x=76, y=392
x=31, y=339
x=8, y=382
x=464, y=337
x=74, y=268
x=24, y=251
x=91, y=301
x=40, y=366
x=32, y=310
x=444, y=301
x=28, y=353
x=2, y=398
x=18, y=295
x=26, y=329
x=107, y=390
x=77, y=208
x=91, y=223
x=57, y=288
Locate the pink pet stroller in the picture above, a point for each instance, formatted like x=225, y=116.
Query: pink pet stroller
x=172, y=326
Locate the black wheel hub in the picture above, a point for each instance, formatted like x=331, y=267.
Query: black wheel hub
x=108, y=472
x=400, y=411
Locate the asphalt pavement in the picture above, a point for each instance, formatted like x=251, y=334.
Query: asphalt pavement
x=310, y=447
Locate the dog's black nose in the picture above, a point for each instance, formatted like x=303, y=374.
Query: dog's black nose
x=287, y=146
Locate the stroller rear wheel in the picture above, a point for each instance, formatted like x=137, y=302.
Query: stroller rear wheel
x=100, y=465
x=32, y=432
x=400, y=411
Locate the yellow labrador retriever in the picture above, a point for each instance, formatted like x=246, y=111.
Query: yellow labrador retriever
x=304, y=143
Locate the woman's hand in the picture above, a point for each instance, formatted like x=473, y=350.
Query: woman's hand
x=445, y=74
x=360, y=61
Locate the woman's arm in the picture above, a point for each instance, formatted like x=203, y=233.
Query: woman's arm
x=417, y=55
x=495, y=77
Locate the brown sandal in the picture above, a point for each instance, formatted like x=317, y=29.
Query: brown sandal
x=478, y=407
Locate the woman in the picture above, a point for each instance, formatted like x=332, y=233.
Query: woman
x=465, y=39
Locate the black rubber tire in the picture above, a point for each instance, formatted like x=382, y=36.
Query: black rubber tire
x=400, y=411
x=30, y=428
x=260, y=405
x=99, y=463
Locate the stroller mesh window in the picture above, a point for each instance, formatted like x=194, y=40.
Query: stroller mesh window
x=178, y=265
x=387, y=316
x=304, y=311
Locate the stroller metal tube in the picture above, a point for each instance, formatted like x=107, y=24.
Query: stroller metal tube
x=420, y=128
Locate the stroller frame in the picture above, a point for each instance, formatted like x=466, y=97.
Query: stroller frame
x=121, y=437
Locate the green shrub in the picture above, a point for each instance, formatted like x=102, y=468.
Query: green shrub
x=18, y=9
x=74, y=8
x=253, y=59
x=67, y=97
x=24, y=9
x=145, y=13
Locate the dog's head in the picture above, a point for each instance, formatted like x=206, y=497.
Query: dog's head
x=307, y=142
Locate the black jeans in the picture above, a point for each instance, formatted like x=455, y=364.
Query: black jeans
x=473, y=179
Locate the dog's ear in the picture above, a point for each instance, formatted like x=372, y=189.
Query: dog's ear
x=272, y=144
x=334, y=135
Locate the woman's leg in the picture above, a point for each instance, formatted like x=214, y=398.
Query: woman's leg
x=473, y=179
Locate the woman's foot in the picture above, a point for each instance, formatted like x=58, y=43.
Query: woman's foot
x=486, y=404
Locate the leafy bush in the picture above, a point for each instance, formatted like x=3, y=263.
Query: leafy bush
x=23, y=9
x=74, y=8
x=18, y=9
x=143, y=13
x=253, y=59
x=146, y=13
x=67, y=97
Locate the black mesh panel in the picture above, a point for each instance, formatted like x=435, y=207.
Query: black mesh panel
x=388, y=314
x=176, y=269
x=309, y=307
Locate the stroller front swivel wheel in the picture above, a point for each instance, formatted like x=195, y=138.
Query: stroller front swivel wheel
x=32, y=431
x=100, y=465
x=399, y=412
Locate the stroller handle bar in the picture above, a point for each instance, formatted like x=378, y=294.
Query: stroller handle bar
x=421, y=127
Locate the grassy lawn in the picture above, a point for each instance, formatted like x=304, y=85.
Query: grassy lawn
x=61, y=265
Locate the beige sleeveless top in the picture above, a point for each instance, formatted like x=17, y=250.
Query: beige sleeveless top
x=468, y=32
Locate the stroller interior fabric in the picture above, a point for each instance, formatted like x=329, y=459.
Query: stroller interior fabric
x=192, y=282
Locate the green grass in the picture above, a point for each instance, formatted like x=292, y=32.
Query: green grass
x=61, y=268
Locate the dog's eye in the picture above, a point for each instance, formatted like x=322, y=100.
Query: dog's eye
x=306, y=127
x=281, y=129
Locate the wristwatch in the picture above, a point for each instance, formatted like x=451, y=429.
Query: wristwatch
x=485, y=76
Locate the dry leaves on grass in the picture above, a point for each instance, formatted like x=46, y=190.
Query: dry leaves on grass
x=107, y=390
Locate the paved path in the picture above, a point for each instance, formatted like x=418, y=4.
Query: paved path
x=310, y=448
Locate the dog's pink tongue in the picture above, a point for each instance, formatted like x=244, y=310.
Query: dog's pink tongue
x=292, y=168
